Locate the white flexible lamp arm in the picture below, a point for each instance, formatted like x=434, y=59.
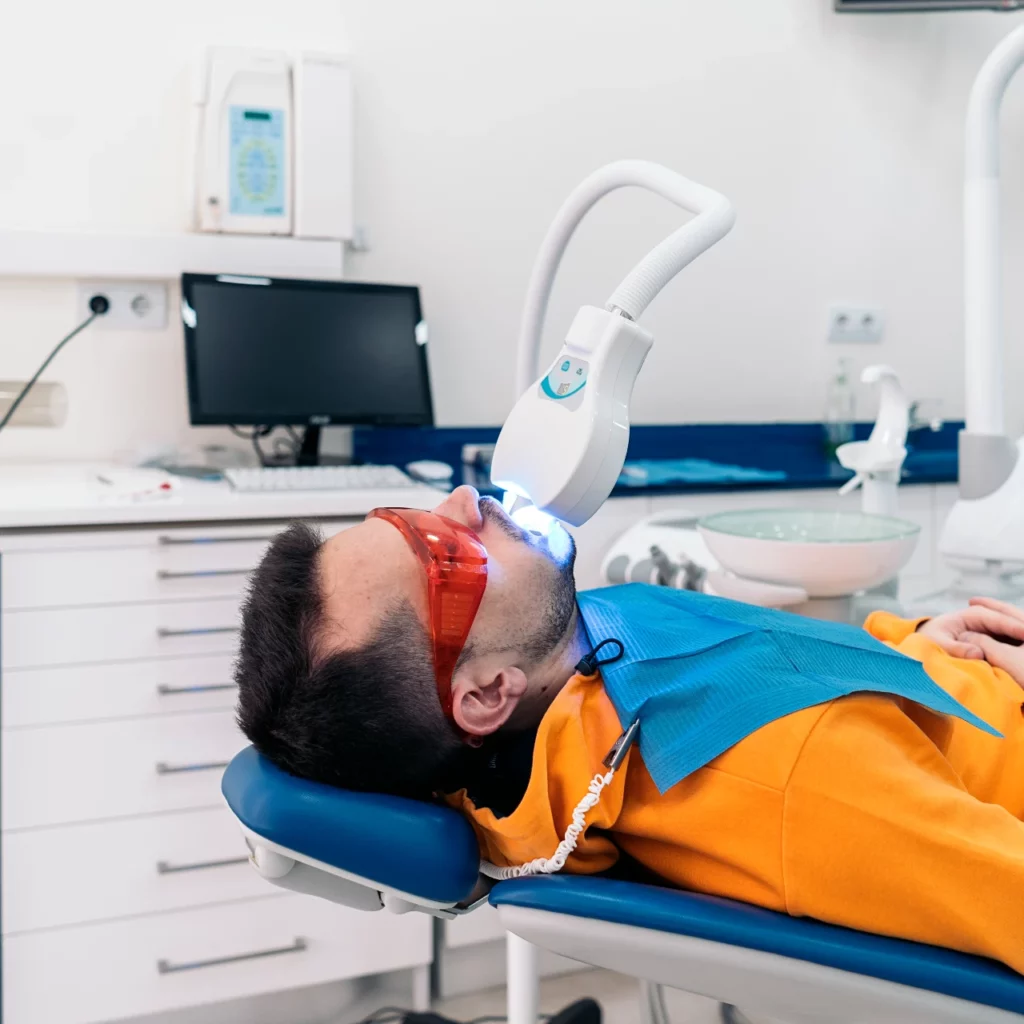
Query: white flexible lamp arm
x=563, y=445
x=982, y=263
x=714, y=217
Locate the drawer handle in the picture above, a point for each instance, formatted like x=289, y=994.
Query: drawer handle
x=163, y=768
x=167, y=967
x=165, y=541
x=168, y=691
x=167, y=574
x=197, y=631
x=165, y=868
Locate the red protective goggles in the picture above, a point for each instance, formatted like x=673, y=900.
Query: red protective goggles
x=455, y=562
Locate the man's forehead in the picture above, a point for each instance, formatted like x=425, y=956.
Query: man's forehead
x=363, y=571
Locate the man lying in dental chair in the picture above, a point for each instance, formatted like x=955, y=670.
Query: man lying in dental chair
x=429, y=654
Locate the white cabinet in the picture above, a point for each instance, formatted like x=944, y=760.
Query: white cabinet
x=110, y=869
x=125, y=884
x=81, y=693
x=54, y=775
x=116, y=969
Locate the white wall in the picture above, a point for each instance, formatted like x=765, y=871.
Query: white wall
x=838, y=137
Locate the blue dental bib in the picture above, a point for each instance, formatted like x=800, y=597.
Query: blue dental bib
x=702, y=673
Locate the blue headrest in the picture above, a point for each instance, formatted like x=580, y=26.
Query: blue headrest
x=412, y=847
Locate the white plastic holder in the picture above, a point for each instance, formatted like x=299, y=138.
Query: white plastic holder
x=878, y=461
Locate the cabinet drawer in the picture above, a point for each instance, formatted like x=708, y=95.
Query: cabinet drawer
x=54, y=579
x=121, y=566
x=59, y=774
x=55, y=877
x=79, y=693
x=70, y=636
x=110, y=971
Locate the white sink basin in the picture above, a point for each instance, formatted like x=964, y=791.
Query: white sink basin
x=828, y=554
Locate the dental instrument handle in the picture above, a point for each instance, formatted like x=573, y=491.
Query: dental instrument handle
x=852, y=484
x=714, y=217
x=982, y=260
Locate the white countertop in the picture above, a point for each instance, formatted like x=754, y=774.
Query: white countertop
x=70, y=495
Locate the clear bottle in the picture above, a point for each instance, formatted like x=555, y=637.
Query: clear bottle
x=840, y=409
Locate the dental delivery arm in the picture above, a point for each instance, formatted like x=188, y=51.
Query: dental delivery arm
x=867, y=812
x=564, y=443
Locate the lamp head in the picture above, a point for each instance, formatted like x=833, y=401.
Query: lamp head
x=564, y=443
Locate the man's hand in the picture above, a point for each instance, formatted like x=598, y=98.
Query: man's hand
x=1004, y=651
x=988, y=630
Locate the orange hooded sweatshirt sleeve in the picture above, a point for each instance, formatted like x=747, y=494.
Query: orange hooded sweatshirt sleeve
x=869, y=811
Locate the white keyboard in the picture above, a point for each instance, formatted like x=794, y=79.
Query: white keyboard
x=317, y=478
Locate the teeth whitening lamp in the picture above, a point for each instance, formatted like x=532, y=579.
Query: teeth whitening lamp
x=564, y=443
x=984, y=535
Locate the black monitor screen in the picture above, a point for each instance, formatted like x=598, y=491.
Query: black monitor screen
x=262, y=351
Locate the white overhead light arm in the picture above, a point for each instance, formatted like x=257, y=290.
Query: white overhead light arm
x=982, y=259
x=714, y=217
x=984, y=532
x=564, y=442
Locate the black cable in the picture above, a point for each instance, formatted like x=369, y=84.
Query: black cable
x=260, y=457
x=396, y=1015
x=98, y=304
x=238, y=432
x=386, y=1014
x=253, y=437
x=288, y=446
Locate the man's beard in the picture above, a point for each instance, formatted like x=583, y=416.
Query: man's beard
x=540, y=638
x=556, y=618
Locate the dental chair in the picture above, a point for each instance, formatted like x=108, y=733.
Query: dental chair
x=375, y=852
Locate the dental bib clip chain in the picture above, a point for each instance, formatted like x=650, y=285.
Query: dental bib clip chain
x=614, y=758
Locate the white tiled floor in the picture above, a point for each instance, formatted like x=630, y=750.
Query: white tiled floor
x=617, y=995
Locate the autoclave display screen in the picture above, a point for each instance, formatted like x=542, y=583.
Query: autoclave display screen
x=299, y=352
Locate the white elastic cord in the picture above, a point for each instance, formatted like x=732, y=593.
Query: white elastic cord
x=554, y=863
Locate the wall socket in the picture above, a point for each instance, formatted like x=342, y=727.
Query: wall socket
x=859, y=325
x=134, y=305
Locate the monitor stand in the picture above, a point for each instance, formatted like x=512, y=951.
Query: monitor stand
x=309, y=454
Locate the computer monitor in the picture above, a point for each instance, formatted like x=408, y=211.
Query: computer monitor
x=274, y=352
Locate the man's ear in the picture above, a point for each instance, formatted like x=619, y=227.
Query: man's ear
x=484, y=696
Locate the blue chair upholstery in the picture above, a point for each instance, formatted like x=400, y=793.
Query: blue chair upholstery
x=404, y=845
x=738, y=924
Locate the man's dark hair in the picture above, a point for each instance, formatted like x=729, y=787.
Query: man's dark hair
x=364, y=719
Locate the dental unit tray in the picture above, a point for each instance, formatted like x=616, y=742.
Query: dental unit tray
x=375, y=852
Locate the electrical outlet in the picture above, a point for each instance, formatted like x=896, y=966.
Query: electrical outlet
x=134, y=305
x=855, y=324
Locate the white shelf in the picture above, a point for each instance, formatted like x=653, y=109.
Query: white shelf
x=164, y=257
x=38, y=496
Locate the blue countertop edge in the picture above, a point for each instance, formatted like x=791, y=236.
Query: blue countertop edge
x=796, y=449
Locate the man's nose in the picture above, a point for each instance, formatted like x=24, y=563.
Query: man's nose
x=463, y=505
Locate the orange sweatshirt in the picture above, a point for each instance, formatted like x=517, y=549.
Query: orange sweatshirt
x=868, y=811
